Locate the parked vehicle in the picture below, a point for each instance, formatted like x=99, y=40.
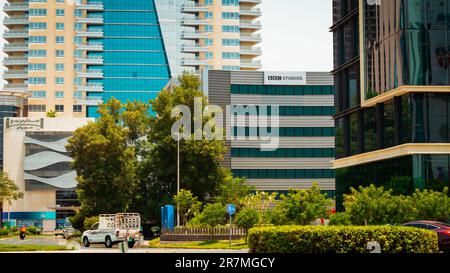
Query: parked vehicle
x=114, y=228
x=442, y=230
x=65, y=232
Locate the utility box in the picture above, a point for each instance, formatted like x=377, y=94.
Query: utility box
x=167, y=218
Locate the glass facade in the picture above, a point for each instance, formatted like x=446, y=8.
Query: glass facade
x=5, y=112
x=406, y=43
x=135, y=65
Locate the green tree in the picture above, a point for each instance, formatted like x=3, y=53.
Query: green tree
x=431, y=205
x=105, y=159
x=340, y=219
x=301, y=207
x=211, y=216
x=247, y=219
x=187, y=204
x=200, y=168
x=261, y=202
x=234, y=191
x=9, y=192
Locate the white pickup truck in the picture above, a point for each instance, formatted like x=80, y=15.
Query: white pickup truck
x=114, y=228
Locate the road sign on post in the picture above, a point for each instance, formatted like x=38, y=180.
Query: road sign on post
x=231, y=210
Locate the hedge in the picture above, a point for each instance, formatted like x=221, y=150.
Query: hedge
x=341, y=239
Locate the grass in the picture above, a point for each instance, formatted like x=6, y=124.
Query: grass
x=14, y=248
x=236, y=245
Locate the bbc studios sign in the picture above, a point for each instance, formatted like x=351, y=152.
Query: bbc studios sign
x=285, y=78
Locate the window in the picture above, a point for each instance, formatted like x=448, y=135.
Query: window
x=59, y=53
x=38, y=12
x=59, y=26
x=37, y=80
x=231, y=55
x=38, y=94
x=77, y=108
x=210, y=42
x=234, y=29
x=59, y=12
x=59, y=94
x=38, y=25
x=77, y=94
x=38, y=39
x=59, y=80
x=59, y=67
x=209, y=28
x=209, y=55
x=230, y=15
x=36, y=108
x=37, y=53
x=37, y=66
x=231, y=67
x=230, y=2
x=209, y=2
x=230, y=42
x=60, y=39
x=209, y=15
x=59, y=108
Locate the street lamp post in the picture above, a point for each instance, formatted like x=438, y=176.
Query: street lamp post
x=178, y=178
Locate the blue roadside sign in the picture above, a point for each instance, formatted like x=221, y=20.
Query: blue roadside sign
x=231, y=209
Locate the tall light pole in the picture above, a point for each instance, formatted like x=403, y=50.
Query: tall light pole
x=178, y=178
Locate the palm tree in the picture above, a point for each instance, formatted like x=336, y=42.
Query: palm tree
x=51, y=114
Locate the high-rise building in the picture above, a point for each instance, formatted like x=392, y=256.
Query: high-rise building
x=392, y=85
x=280, y=128
x=72, y=55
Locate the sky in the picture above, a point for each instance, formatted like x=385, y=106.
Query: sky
x=295, y=35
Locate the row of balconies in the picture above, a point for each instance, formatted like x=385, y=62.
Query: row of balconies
x=15, y=33
x=22, y=87
x=92, y=6
x=15, y=6
x=16, y=20
x=245, y=63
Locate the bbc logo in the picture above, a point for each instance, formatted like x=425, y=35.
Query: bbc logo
x=373, y=2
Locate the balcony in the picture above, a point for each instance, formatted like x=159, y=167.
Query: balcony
x=96, y=33
x=16, y=20
x=93, y=60
x=194, y=22
x=194, y=62
x=194, y=35
x=16, y=74
x=91, y=73
x=194, y=8
x=253, y=12
x=15, y=47
x=92, y=6
x=249, y=24
x=90, y=47
x=194, y=48
x=251, y=38
x=16, y=6
x=90, y=87
x=251, y=64
x=252, y=51
x=89, y=101
x=21, y=87
x=93, y=20
x=13, y=60
x=15, y=33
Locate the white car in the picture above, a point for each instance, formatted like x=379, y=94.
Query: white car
x=114, y=228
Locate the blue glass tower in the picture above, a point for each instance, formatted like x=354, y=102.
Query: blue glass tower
x=135, y=64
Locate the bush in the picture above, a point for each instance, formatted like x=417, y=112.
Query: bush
x=213, y=215
x=89, y=222
x=320, y=239
x=74, y=235
x=4, y=232
x=340, y=219
x=33, y=230
x=247, y=218
x=77, y=221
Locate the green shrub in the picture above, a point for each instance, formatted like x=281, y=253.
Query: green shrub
x=212, y=215
x=340, y=219
x=77, y=221
x=4, y=232
x=33, y=230
x=320, y=239
x=74, y=235
x=89, y=222
x=247, y=218
x=14, y=229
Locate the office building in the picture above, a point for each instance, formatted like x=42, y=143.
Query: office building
x=72, y=55
x=302, y=150
x=35, y=157
x=392, y=94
